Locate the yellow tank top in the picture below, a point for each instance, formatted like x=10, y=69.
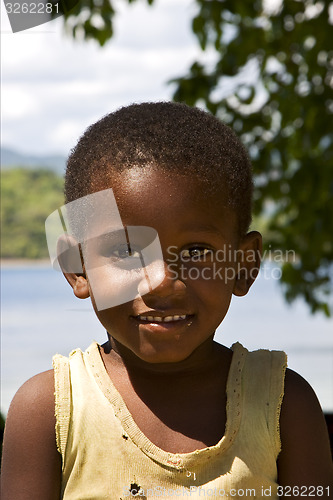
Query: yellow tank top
x=106, y=456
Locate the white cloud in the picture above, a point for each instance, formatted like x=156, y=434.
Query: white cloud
x=17, y=103
x=55, y=87
x=66, y=132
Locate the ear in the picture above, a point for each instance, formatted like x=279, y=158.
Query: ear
x=72, y=265
x=248, y=265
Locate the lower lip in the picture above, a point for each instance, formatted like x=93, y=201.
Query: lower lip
x=165, y=326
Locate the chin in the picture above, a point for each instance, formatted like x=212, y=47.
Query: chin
x=160, y=357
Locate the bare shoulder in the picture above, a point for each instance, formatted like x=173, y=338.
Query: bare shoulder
x=34, y=398
x=31, y=464
x=305, y=457
x=40, y=386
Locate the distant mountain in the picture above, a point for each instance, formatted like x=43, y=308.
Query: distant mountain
x=11, y=158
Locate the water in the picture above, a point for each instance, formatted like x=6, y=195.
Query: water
x=41, y=316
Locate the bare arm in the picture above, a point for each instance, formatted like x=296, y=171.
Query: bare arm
x=305, y=459
x=31, y=464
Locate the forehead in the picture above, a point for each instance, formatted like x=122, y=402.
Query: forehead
x=150, y=196
x=151, y=186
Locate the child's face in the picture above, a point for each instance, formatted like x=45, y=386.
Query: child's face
x=199, y=238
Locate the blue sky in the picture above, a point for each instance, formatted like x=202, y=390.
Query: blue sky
x=54, y=87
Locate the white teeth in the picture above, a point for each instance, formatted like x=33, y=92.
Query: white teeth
x=160, y=319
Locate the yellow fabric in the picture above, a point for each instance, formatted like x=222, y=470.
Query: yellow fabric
x=106, y=456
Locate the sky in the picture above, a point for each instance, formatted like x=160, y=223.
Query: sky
x=53, y=87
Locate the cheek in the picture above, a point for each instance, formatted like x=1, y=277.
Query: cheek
x=214, y=298
x=112, y=319
x=213, y=287
x=210, y=278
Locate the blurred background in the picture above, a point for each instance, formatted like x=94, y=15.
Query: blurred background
x=265, y=68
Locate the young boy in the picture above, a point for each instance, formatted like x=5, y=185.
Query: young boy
x=161, y=410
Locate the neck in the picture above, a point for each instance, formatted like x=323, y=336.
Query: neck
x=204, y=358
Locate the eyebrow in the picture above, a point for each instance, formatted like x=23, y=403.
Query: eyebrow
x=117, y=235
x=206, y=228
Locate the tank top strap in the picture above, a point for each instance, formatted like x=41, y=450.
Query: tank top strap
x=263, y=389
x=278, y=371
x=62, y=395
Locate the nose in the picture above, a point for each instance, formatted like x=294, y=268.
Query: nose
x=170, y=285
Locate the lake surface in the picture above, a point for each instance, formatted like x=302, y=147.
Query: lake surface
x=41, y=317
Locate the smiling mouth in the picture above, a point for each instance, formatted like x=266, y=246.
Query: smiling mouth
x=163, y=319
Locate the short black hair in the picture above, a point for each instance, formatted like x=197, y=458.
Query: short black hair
x=174, y=138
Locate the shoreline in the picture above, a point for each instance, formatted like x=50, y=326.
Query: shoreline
x=7, y=263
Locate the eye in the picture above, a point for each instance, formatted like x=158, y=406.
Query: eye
x=125, y=251
x=196, y=253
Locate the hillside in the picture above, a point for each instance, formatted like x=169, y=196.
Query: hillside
x=11, y=158
x=28, y=196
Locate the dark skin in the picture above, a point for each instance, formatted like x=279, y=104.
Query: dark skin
x=155, y=399
x=152, y=363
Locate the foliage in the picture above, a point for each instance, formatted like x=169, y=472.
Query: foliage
x=90, y=19
x=272, y=82
x=283, y=113
x=27, y=198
